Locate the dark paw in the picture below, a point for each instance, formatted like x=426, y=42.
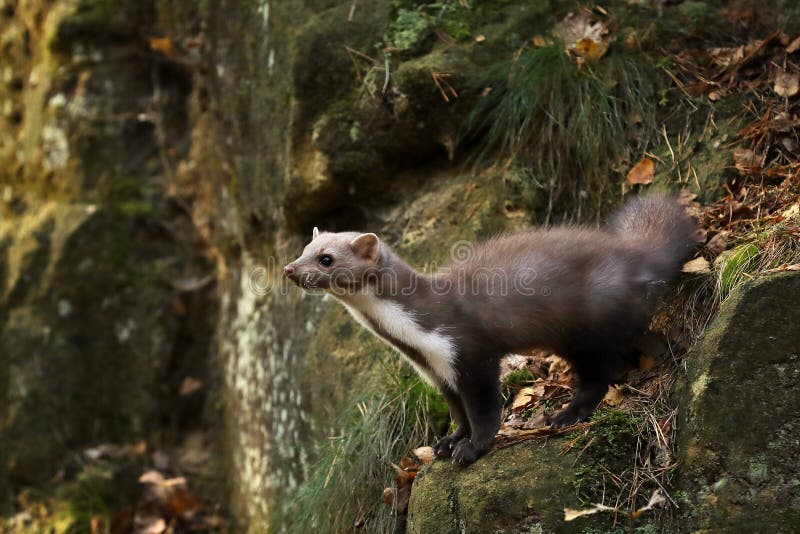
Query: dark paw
x=444, y=447
x=465, y=452
x=568, y=417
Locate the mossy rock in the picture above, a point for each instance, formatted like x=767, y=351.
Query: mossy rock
x=523, y=488
x=740, y=412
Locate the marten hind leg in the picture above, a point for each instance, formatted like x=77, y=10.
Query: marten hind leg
x=582, y=405
x=444, y=447
x=596, y=370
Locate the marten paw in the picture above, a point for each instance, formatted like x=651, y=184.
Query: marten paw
x=568, y=417
x=465, y=452
x=444, y=447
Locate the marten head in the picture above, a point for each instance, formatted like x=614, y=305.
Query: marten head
x=341, y=261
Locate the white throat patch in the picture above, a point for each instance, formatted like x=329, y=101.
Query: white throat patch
x=398, y=323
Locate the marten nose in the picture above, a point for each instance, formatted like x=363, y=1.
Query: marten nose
x=288, y=270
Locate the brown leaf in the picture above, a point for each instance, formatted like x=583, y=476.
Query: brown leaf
x=163, y=45
x=524, y=396
x=558, y=365
x=182, y=503
x=647, y=362
x=655, y=499
x=584, y=35
x=614, y=396
x=787, y=84
x=190, y=385
x=409, y=465
x=697, y=266
x=590, y=49
x=794, y=46
x=642, y=172
x=389, y=496
x=718, y=243
x=747, y=160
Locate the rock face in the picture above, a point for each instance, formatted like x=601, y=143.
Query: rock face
x=94, y=336
x=738, y=439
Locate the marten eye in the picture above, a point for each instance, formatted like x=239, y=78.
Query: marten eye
x=325, y=260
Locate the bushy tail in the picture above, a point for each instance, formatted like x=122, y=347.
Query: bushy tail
x=658, y=224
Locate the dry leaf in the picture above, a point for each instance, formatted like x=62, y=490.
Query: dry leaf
x=190, y=385
x=642, y=172
x=151, y=477
x=154, y=526
x=425, y=454
x=163, y=45
x=584, y=35
x=746, y=160
x=526, y=395
x=647, y=362
x=697, y=266
x=581, y=26
x=791, y=212
x=718, y=243
x=794, y=46
x=787, y=83
x=539, y=41
x=558, y=364
x=571, y=514
x=480, y=38
x=590, y=49
x=655, y=499
x=614, y=396
x=390, y=496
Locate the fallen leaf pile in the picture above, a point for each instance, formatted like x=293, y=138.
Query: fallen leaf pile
x=396, y=497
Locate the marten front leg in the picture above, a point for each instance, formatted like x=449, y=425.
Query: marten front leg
x=444, y=447
x=483, y=405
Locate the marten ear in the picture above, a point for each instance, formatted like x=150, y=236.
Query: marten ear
x=314, y=233
x=366, y=246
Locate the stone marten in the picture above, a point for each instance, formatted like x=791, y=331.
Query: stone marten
x=583, y=293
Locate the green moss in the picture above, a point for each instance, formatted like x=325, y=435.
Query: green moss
x=409, y=29
x=610, y=447
x=519, y=379
x=694, y=10
x=453, y=19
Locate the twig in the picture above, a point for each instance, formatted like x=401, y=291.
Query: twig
x=439, y=78
x=352, y=12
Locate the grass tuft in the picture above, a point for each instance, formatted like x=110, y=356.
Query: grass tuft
x=568, y=123
x=343, y=487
